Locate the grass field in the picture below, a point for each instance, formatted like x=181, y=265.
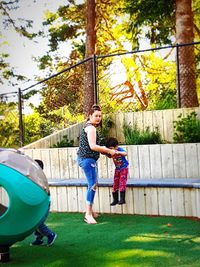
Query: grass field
x=116, y=241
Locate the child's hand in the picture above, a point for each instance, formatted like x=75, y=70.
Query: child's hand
x=112, y=153
x=115, y=154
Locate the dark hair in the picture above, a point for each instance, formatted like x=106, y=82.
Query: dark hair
x=40, y=163
x=94, y=108
x=111, y=142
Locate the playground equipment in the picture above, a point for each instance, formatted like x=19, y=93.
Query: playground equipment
x=26, y=186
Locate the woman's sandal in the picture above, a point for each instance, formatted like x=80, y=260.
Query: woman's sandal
x=90, y=220
x=95, y=215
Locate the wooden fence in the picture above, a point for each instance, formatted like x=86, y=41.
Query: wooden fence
x=163, y=119
x=145, y=162
x=150, y=162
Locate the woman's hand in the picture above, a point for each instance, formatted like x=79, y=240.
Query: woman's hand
x=113, y=152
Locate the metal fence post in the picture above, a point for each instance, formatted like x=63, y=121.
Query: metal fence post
x=178, y=77
x=94, y=78
x=21, y=128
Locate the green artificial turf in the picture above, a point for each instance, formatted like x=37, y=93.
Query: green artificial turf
x=116, y=241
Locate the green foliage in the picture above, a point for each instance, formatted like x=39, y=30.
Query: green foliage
x=158, y=18
x=42, y=127
x=65, y=142
x=166, y=100
x=187, y=130
x=134, y=136
x=106, y=126
x=9, y=131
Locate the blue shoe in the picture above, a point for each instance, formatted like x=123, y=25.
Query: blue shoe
x=37, y=242
x=51, y=239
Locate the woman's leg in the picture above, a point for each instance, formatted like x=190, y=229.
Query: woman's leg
x=90, y=169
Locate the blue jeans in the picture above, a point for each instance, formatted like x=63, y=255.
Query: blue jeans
x=89, y=167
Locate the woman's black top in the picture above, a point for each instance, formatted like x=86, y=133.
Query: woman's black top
x=84, y=150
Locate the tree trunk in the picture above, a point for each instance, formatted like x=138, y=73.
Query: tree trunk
x=90, y=51
x=184, y=34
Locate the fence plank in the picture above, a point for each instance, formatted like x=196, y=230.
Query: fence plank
x=139, y=120
x=191, y=160
x=72, y=198
x=151, y=201
x=148, y=120
x=129, y=207
x=179, y=160
x=167, y=161
x=62, y=199
x=55, y=163
x=104, y=200
x=119, y=120
x=139, y=201
x=54, y=204
x=164, y=200
x=198, y=158
x=81, y=191
x=198, y=202
x=143, y=152
x=190, y=202
x=158, y=122
x=103, y=167
x=134, y=164
x=96, y=206
x=155, y=161
x=72, y=163
x=177, y=199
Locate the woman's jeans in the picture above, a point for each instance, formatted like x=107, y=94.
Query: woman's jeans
x=89, y=167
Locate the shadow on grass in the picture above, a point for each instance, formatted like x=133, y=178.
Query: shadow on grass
x=116, y=241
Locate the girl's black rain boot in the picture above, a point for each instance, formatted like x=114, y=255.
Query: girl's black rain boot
x=122, y=198
x=115, y=198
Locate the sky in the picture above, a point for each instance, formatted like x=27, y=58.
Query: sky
x=22, y=50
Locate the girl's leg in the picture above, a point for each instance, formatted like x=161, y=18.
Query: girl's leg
x=44, y=230
x=115, y=192
x=123, y=179
x=122, y=185
x=116, y=180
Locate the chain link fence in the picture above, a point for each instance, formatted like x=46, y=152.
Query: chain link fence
x=131, y=81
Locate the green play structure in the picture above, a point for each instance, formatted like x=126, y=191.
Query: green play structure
x=28, y=198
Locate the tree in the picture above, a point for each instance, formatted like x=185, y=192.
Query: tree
x=101, y=35
x=161, y=20
x=88, y=93
x=185, y=34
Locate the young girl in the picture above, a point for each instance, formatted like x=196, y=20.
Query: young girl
x=121, y=171
x=88, y=154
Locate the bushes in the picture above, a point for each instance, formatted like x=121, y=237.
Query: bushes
x=65, y=142
x=187, y=130
x=134, y=136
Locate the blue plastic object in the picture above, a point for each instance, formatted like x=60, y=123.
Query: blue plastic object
x=28, y=196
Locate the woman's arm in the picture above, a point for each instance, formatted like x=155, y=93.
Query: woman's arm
x=91, y=135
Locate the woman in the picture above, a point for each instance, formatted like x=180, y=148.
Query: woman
x=88, y=154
